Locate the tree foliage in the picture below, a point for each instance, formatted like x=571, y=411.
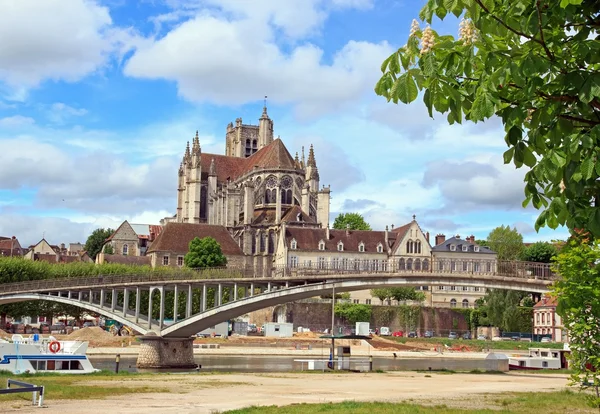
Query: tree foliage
x=502, y=308
x=203, y=253
x=354, y=220
x=507, y=242
x=95, y=241
x=353, y=312
x=400, y=294
x=541, y=252
x=578, y=292
x=533, y=64
x=382, y=294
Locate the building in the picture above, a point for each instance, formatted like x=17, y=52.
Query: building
x=44, y=251
x=10, y=247
x=172, y=244
x=547, y=322
x=132, y=239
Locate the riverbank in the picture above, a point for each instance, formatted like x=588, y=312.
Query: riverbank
x=203, y=394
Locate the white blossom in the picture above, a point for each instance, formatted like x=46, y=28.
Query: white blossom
x=414, y=27
x=467, y=32
x=427, y=40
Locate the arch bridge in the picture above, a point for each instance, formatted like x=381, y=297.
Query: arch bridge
x=178, y=305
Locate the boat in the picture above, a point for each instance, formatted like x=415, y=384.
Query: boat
x=540, y=358
x=37, y=354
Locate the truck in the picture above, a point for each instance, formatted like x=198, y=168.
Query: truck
x=385, y=331
x=117, y=328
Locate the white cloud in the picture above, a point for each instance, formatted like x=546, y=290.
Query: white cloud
x=60, y=112
x=248, y=62
x=16, y=121
x=52, y=40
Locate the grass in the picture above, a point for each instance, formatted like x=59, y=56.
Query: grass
x=510, y=403
x=479, y=345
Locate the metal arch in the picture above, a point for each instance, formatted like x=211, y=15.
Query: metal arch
x=23, y=297
x=206, y=319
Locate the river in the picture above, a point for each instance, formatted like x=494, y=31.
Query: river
x=261, y=363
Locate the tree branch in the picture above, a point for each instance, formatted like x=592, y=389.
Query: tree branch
x=504, y=24
x=543, y=42
x=582, y=120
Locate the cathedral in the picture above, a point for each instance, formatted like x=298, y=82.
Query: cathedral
x=251, y=189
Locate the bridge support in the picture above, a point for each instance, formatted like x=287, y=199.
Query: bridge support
x=158, y=352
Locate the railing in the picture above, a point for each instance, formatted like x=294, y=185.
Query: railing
x=518, y=270
x=25, y=387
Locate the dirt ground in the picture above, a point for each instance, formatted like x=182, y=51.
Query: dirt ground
x=196, y=393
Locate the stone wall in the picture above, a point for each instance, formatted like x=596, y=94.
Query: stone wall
x=158, y=352
x=317, y=317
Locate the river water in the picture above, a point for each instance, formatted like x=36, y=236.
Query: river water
x=260, y=363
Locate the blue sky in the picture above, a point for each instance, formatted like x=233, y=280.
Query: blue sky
x=98, y=98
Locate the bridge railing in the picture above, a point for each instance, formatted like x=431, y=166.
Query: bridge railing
x=516, y=269
x=125, y=279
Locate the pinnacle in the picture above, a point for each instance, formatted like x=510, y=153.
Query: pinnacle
x=311, y=157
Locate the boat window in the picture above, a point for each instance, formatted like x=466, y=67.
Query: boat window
x=554, y=355
x=521, y=363
x=544, y=364
x=75, y=365
x=544, y=354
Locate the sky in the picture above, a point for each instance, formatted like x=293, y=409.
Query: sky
x=99, y=97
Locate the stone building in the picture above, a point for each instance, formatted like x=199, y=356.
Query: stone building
x=10, y=247
x=132, y=239
x=251, y=189
x=546, y=321
x=172, y=244
x=463, y=255
x=46, y=252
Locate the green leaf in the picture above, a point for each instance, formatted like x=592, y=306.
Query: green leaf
x=590, y=88
x=587, y=168
x=528, y=157
x=483, y=107
x=508, y=155
x=428, y=102
x=594, y=222
x=405, y=88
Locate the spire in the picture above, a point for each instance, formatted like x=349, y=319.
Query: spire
x=311, y=157
x=187, y=151
x=212, y=171
x=296, y=161
x=196, y=143
x=181, y=168
x=302, y=161
x=264, y=112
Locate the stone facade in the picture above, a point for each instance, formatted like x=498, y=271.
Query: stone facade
x=133, y=239
x=158, y=352
x=546, y=321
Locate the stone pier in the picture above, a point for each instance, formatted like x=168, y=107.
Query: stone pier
x=159, y=352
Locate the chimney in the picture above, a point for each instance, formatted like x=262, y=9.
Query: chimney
x=347, y=229
x=472, y=239
x=386, y=237
x=327, y=232
x=427, y=236
x=439, y=239
x=457, y=236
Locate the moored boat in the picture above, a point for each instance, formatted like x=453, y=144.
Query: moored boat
x=540, y=358
x=36, y=354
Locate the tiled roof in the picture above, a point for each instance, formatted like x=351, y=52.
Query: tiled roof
x=127, y=260
x=459, y=243
x=176, y=237
x=274, y=155
x=289, y=215
x=308, y=239
x=7, y=243
x=547, y=302
x=295, y=215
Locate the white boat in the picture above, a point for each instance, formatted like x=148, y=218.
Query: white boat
x=36, y=354
x=540, y=358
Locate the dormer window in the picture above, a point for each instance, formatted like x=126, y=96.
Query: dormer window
x=361, y=247
x=452, y=248
x=321, y=245
x=293, y=244
x=379, y=248
x=340, y=247
x=465, y=248
x=476, y=248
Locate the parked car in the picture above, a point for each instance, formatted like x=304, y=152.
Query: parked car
x=452, y=335
x=428, y=334
x=467, y=335
x=88, y=324
x=398, y=334
x=482, y=338
x=412, y=334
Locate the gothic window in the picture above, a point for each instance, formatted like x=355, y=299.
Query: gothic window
x=125, y=250
x=453, y=303
x=254, y=146
x=417, y=264
x=286, y=196
x=286, y=182
x=340, y=247
x=248, y=148
x=299, y=182
x=409, y=264
x=271, y=242
x=425, y=264
x=418, y=247
x=361, y=247
x=203, y=202
x=401, y=264
x=271, y=181
x=409, y=246
x=321, y=245
x=263, y=240
x=465, y=303
x=293, y=244
x=379, y=248
x=253, y=245
x=271, y=196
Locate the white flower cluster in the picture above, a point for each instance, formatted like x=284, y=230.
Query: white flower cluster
x=427, y=40
x=467, y=32
x=414, y=27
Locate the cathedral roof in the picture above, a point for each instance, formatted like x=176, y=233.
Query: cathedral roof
x=293, y=214
x=308, y=239
x=274, y=155
x=176, y=237
x=296, y=215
